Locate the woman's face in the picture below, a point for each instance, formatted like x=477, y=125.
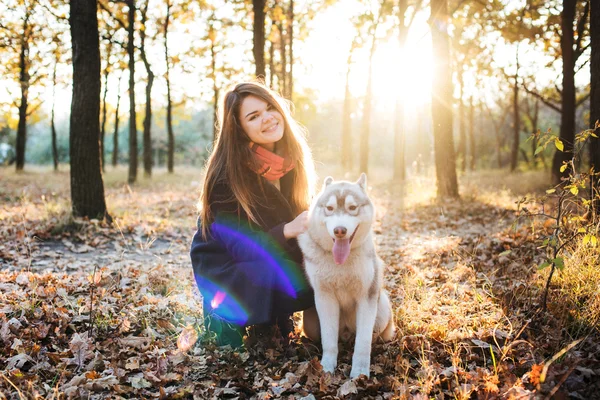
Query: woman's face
x=262, y=122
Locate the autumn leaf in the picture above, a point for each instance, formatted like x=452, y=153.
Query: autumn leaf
x=559, y=144
x=187, y=338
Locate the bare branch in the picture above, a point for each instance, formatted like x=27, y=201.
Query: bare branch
x=543, y=99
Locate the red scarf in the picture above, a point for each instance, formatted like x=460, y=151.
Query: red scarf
x=270, y=165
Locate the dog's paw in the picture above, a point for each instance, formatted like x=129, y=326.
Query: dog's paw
x=328, y=364
x=358, y=370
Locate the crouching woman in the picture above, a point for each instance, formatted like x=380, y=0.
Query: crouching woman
x=258, y=184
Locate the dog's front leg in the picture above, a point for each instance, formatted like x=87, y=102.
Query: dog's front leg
x=328, y=309
x=366, y=311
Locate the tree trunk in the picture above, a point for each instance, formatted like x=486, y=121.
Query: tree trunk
x=514, y=153
x=52, y=125
x=171, y=136
x=87, y=188
x=441, y=100
x=472, y=146
x=24, y=78
x=258, y=50
x=115, y=157
x=567, y=119
x=290, y=35
x=399, y=135
x=462, y=138
x=103, y=124
x=346, y=120
x=133, y=156
x=148, y=116
x=595, y=104
x=534, y=129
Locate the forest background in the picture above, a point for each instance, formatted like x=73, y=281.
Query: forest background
x=475, y=121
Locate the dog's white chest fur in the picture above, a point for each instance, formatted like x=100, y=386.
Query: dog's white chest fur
x=345, y=272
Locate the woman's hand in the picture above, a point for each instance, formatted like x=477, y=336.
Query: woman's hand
x=297, y=226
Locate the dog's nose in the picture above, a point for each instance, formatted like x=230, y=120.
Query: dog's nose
x=340, y=231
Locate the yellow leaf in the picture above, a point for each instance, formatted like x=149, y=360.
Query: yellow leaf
x=550, y=191
x=559, y=145
x=586, y=239
x=581, y=230
x=593, y=240
x=562, y=169
x=574, y=190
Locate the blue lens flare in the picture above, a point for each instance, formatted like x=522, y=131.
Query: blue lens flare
x=223, y=304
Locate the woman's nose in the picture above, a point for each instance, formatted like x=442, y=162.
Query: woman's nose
x=268, y=117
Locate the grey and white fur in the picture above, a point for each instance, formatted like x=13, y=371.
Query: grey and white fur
x=345, y=273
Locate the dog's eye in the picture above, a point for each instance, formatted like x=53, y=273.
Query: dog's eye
x=329, y=208
x=352, y=208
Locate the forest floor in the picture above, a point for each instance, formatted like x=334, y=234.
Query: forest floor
x=89, y=310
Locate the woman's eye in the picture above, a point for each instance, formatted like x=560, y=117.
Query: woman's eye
x=352, y=208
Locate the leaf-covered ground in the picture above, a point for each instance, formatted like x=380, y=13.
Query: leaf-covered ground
x=95, y=311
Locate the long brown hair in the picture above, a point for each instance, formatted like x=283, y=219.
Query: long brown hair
x=232, y=156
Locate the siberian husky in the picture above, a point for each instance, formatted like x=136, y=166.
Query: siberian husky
x=345, y=272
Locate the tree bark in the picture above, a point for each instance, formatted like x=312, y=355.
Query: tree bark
x=87, y=188
x=52, y=125
x=133, y=155
x=213, y=65
x=170, y=134
x=567, y=119
x=441, y=100
x=283, y=61
x=104, y=93
x=258, y=50
x=595, y=104
x=115, y=156
x=147, y=141
x=24, y=79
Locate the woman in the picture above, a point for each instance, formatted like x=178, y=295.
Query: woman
x=258, y=184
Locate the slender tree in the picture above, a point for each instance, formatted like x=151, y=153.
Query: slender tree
x=571, y=48
x=170, y=134
x=115, y=155
x=347, y=111
x=441, y=102
x=133, y=151
x=57, y=56
x=87, y=188
x=147, y=137
x=107, y=71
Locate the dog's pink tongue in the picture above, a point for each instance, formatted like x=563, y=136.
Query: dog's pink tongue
x=341, y=250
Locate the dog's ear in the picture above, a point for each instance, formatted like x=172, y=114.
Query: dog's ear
x=327, y=181
x=362, y=181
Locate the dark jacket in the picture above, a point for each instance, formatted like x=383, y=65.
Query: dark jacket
x=247, y=273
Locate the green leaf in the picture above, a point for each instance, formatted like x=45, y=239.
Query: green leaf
x=559, y=262
x=543, y=265
x=559, y=145
x=563, y=168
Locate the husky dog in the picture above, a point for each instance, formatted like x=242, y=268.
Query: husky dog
x=345, y=273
